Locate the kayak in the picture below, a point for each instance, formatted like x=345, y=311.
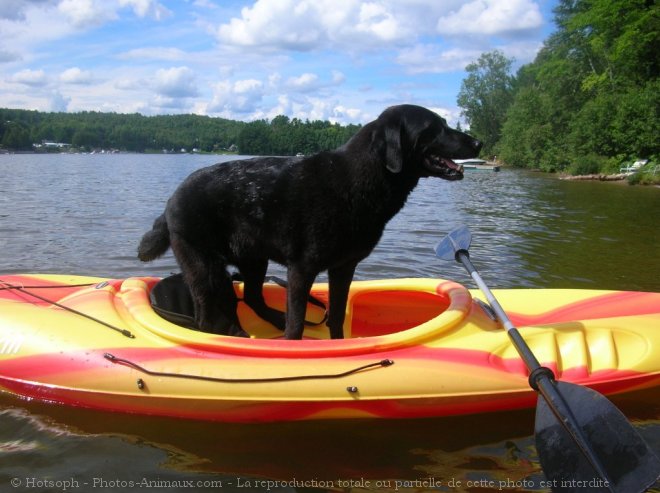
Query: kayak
x=413, y=348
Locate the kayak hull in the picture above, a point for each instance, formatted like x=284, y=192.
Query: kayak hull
x=414, y=348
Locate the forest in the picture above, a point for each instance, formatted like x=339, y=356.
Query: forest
x=589, y=101
x=88, y=131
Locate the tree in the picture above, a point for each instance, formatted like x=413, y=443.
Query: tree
x=16, y=137
x=592, y=94
x=486, y=95
x=255, y=138
x=617, y=39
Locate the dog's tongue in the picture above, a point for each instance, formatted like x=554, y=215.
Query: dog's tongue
x=451, y=164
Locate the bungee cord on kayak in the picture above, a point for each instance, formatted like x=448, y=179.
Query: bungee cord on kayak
x=379, y=364
x=24, y=289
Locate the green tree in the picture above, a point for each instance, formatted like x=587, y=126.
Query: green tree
x=592, y=94
x=16, y=136
x=137, y=133
x=255, y=138
x=486, y=95
x=617, y=39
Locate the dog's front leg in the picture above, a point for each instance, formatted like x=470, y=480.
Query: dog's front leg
x=340, y=282
x=300, y=283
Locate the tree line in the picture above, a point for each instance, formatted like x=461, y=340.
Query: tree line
x=89, y=130
x=586, y=104
x=20, y=130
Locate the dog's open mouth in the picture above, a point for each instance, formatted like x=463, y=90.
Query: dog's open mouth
x=443, y=167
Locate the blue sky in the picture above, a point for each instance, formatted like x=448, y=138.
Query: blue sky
x=338, y=60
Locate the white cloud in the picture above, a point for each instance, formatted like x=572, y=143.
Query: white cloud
x=452, y=115
x=36, y=23
x=205, y=4
x=274, y=80
x=305, y=82
x=304, y=25
x=309, y=82
x=338, y=77
x=355, y=25
x=432, y=58
x=160, y=103
x=341, y=114
x=128, y=84
x=8, y=56
x=312, y=108
x=74, y=75
x=176, y=82
x=377, y=21
x=81, y=14
x=331, y=110
x=488, y=17
x=522, y=51
x=33, y=78
x=249, y=86
x=85, y=13
x=15, y=9
x=58, y=103
x=154, y=53
x=272, y=23
x=240, y=97
x=282, y=107
x=144, y=8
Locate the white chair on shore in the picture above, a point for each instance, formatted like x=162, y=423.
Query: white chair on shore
x=634, y=167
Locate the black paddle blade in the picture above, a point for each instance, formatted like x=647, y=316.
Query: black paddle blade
x=631, y=466
x=457, y=239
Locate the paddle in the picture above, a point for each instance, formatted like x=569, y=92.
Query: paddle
x=584, y=442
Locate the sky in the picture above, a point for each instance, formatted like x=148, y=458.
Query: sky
x=338, y=60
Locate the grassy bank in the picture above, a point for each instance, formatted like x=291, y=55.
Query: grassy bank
x=648, y=175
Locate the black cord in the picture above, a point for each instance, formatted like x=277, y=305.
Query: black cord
x=114, y=359
x=59, y=286
x=22, y=289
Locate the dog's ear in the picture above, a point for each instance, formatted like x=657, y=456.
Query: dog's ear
x=393, y=151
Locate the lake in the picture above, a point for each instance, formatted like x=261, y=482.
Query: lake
x=85, y=214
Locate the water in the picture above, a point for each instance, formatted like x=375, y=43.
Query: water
x=84, y=214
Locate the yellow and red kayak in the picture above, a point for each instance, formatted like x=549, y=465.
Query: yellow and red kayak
x=413, y=348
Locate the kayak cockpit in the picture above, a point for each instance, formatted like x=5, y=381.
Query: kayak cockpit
x=380, y=315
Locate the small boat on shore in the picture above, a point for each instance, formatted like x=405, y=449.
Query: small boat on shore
x=413, y=348
x=477, y=165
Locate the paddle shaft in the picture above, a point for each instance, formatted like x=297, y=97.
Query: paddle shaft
x=525, y=353
x=541, y=378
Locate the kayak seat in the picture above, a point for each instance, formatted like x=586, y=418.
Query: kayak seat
x=170, y=298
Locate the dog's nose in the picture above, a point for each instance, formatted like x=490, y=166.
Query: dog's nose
x=477, y=144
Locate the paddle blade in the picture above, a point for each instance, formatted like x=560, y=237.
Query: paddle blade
x=457, y=239
x=628, y=461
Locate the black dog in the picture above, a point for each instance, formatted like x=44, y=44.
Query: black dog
x=323, y=212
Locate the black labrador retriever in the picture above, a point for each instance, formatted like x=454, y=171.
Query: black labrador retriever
x=323, y=212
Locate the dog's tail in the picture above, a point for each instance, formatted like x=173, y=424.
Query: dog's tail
x=154, y=243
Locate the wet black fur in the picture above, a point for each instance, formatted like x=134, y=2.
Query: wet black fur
x=323, y=212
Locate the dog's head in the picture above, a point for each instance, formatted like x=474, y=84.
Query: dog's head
x=419, y=141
